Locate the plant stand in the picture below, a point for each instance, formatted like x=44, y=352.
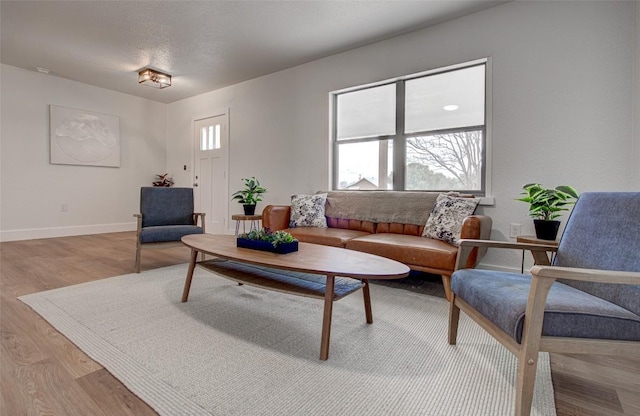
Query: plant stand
x=254, y=222
x=532, y=239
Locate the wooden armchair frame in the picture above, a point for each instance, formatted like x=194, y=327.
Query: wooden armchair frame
x=542, y=277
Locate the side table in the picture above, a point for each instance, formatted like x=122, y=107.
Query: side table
x=532, y=239
x=254, y=222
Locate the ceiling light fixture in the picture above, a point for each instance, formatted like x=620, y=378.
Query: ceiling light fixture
x=153, y=78
x=450, y=107
x=43, y=70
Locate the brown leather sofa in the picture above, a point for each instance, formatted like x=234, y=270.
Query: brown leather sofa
x=385, y=223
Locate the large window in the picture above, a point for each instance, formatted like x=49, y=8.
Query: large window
x=421, y=132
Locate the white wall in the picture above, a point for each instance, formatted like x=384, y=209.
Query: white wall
x=99, y=199
x=260, y=135
x=562, y=105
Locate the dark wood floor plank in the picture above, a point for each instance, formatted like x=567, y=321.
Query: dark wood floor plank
x=43, y=373
x=630, y=401
x=67, y=395
x=19, y=344
x=74, y=360
x=24, y=399
x=568, y=386
x=110, y=394
x=607, y=371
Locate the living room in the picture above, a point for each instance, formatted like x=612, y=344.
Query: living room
x=565, y=91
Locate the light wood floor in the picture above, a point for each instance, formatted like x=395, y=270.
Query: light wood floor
x=42, y=373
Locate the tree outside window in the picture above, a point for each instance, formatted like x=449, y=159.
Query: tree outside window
x=450, y=161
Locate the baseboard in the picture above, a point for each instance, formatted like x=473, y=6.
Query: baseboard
x=52, y=232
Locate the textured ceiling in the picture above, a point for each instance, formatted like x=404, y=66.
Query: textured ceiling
x=205, y=45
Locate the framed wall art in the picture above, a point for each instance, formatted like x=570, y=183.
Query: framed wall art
x=80, y=137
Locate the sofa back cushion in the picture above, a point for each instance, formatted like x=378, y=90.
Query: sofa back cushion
x=348, y=224
x=396, y=228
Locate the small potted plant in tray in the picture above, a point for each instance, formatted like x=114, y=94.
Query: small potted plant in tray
x=250, y=195
x=545, y=205
x=265, y=240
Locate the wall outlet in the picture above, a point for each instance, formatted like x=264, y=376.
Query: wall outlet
x=515, y=230
x=64, y=207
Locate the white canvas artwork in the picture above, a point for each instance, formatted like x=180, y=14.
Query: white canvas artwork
x=81, y=137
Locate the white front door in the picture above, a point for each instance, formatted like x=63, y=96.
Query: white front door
x=211, y=189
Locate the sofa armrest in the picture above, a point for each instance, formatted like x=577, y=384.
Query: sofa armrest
x=276, y=217
x=476, y=227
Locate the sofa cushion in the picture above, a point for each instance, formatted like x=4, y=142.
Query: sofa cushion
x=447, y=215
x=308, y=211
x=408, y=249
x=569, y=312
x=336, y=237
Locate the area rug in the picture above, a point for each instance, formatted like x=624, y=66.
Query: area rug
x=239, y=350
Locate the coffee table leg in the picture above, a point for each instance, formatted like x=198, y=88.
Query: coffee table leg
x=367, y=301
x=187, y=283
x=326, y=319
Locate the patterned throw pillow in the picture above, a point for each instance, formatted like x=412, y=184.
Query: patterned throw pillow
x=308, y=211
x=445, y=221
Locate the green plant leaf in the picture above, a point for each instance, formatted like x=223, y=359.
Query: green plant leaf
x=250, y=195
x=264, y=234
x=547, y=203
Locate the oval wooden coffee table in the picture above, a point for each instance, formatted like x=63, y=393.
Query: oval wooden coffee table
x=315, y=271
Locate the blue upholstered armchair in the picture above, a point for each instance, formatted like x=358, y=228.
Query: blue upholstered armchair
x=588, y=302
x=166, y=214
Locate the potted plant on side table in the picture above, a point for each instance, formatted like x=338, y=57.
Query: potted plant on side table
x=163, y=181
x=545, y=205
x=250, y=195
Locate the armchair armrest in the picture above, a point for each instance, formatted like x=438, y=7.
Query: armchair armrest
x=200, y=215
x=467, y=245
x=138, y=226
x=507, y=244
x=587, y=275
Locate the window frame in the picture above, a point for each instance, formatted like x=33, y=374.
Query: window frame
x=400, y=137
